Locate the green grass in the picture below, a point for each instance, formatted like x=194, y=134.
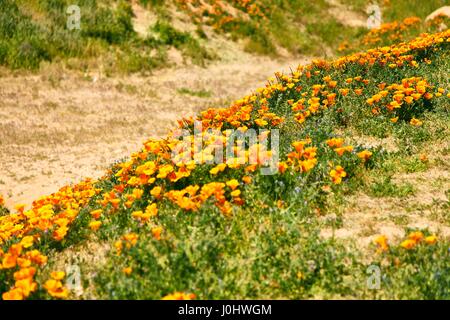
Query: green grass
x=3, y=211
x=34, y=32
x=408, y=273
x=190, y=46
x=269, y=245
x=386, y=188
x=272, y=254
x=269, y=251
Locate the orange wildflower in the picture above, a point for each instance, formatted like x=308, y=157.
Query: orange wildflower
x=337, y=174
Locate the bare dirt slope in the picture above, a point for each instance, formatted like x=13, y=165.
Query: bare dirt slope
x=57, y=127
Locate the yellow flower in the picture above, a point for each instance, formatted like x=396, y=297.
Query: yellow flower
x=409, y=99
x=151, y=210
x=56, y=289
x=394, y=120
x=235, y=193
x=96, y=213
x=164, y=171
x=342, y=150
x=335, y=142
x=344, y=92
x=137, y=214
x=416, y=96
x=156, y=232
x=416, y=122
x=431, y=239
x=156, y=191
x=25, y=273
x=382, y=242
x=247, y=179
x=417, y=236
x=95, y=225
x=261, y=122
x=218, y=168
x=27, y=241
x=364, y=155
x=137, y=193
x=26, y=285
x=337, y=174
x=233, y=184
x=58, y=275
x=60, y=233
x=13, y=294
x=131, y=239
x=408, y=244
x=118, y=245
x=282, y=166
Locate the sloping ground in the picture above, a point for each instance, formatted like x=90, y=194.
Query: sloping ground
x=173, y=228
x=59, y=127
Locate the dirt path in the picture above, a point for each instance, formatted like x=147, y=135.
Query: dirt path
x=57, y=128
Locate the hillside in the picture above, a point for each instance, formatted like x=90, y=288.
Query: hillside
x=360, y=180
x=132, y=36
x=109, y=86
x=337, y=186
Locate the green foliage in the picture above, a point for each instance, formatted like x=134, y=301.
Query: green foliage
x=272, y=254
x=3, y=211
x=386, y=188
x=183, y=41
x=268, y=251
x=111, y=26
x=409, y=273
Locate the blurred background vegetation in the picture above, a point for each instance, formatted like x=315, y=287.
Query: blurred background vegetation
x=33, y=31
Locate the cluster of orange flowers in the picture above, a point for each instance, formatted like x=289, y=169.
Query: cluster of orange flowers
x=128, y=240
x=24, y=261
x=415, y=238
x=54, y=285
x=393, y=30
x=320, y=97
x=337, y=144
x=412, y=240
x=241, y=114
x=398, y=55
x=303, y=159
x=49, y=215
x=398, y=97
x=337, y=174
x=221, y=12
x=52, y=214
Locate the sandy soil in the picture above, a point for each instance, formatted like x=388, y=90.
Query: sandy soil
x=58, y=127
